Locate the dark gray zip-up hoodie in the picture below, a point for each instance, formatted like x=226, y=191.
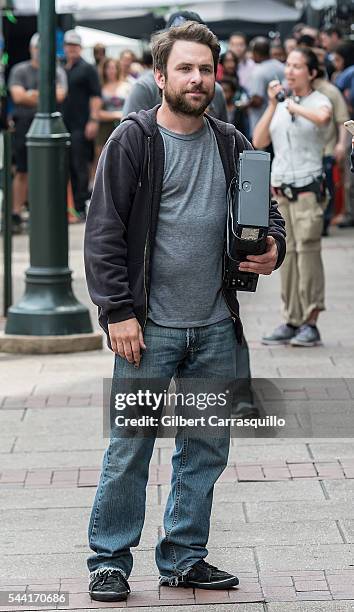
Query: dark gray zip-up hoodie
x=123, y=215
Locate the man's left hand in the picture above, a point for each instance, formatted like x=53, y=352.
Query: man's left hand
x=91, y=130
x=262, y=264
x=339, y=152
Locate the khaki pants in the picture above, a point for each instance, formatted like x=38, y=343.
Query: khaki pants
x=302, y=276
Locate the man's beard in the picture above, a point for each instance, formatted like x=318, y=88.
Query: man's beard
x=178, y=102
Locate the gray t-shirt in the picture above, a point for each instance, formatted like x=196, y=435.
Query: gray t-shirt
x=145, y=95
x=262, y=74
x=298, y=145
x=27, y=76
x=186, y=270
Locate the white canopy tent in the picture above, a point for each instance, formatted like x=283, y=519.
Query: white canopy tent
x=107, y=9
x=258, y=11
x=140, y=18
x=113, y=42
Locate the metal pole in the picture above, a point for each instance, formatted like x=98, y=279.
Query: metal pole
x=48, y=306
x=7, y=222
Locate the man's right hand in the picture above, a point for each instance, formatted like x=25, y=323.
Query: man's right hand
x=127, y=340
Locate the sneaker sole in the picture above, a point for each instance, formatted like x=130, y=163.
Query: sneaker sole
x=211, y=586
x=306, y=344
x=108, y=596
x=275, y=342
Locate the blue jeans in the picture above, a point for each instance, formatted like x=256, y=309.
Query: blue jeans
x=118, y=511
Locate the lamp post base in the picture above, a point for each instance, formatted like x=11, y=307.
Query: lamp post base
x=48, y=345
x=48, y=306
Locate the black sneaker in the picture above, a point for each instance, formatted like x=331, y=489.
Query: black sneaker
x=202, y=575
x=108, y=584
x=17, y=223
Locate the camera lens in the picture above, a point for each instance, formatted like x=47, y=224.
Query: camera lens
x=280, y=97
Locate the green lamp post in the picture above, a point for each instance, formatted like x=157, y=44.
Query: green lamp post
x=48, y=306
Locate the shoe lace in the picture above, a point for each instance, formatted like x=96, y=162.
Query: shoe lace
x=205, y=564
x=101, y=576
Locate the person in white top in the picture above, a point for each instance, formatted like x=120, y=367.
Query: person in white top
x=296, y=127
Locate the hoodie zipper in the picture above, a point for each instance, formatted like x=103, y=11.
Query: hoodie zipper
x=148, y=232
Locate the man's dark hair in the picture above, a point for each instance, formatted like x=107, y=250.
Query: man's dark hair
x=346, y=51
x=240, y=35
x=306, y=40
x=297, y=29
x=231, y=81
x=178, y=18
x=332, y=29
x=261, y=46
x=190, y=31
x=146, y=58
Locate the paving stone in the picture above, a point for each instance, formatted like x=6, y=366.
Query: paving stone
x=348, y=530
x=302, y=556
x=267, y=491
x=299, y=511
x=58, y=459
x=302, y=470
x=241, y=607
x=311, y=585
x=12, y=476
x=57, y=442
x=57, y=498
x=11, y=421
x=307, y=606
x=64, y=421
x=6, y=444
x=332, y=449
x=228, y=531
x=340, y=489
x=49, y=567
x=234, y=511
x=68, y=539
x=285, y=594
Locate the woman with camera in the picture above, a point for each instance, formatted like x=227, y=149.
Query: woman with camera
x=295, y=125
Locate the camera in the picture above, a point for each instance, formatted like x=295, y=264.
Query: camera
x=281, y=95
x=247, y=219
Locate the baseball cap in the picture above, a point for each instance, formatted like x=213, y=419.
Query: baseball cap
x=71, y=37
x=34, y=42
x=176, y=19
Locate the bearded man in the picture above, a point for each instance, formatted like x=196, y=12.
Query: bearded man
x=154, y=250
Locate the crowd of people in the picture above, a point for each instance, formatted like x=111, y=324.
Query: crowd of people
x=289, y=97
x=94, y=98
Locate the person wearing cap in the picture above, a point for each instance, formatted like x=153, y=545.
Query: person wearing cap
x=24, y=89
x=145, y=93
x=81, y=117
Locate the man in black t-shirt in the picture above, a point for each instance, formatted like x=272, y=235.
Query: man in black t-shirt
x=80, y=113
x=23, y=85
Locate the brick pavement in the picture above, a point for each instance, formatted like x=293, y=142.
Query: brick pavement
x=161, y=474
x=283, y=515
